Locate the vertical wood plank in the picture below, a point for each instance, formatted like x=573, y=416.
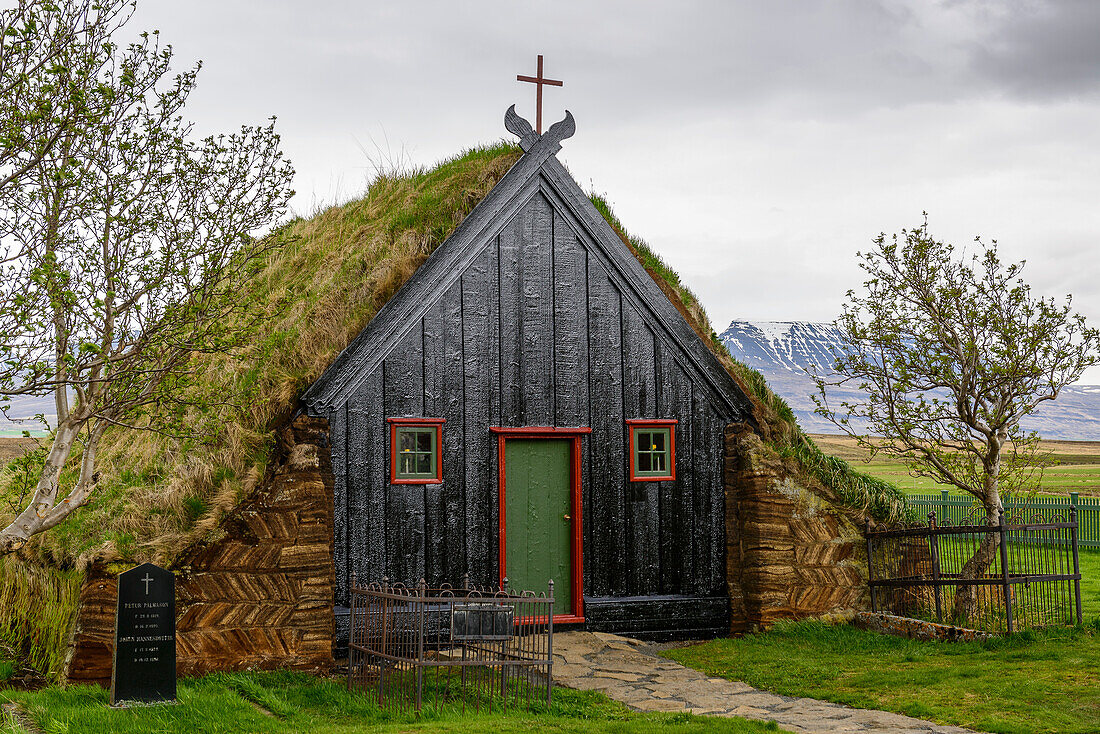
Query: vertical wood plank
x=536, y=330
x=510, y=322
x=643, y=498
x=479, y=375
x=405, y=520
x=639, y=366
x=606, y=553
x=677, y=510
x=489, y=568
x=450, y=523
x=435, y=535
x=338, y=434
x=570, y=337
x=368, y=477
x=716, y=432
x=709, y=527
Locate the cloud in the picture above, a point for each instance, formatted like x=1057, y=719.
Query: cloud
x=756, y=144
x=1041, y=51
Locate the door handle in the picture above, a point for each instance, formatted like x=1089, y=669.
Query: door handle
x=566, y=517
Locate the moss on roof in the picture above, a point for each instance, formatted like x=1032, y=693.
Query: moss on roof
x=318, y=288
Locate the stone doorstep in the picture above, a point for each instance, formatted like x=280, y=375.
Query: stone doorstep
x=823, y=712
x=818, y=725
x=571, y=670
x=631, y=695
x=613, y=638
x=660, y=705
x=750, y=712
x=629, y=656
x=700, y=692
x=676, y=676
x=618, y=690
x=629, y=677
x=571, y=659
x=884, y=718
x=691, y=693
x=637, y=668
x=589, y=684
x=716, y=702
x=756, y=700
x=657, y=692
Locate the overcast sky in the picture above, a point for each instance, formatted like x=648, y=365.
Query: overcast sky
x=755, y=145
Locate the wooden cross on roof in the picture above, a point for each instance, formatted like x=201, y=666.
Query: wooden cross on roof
x=538, y=80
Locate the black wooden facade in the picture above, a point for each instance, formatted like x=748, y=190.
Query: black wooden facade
x=534, y=313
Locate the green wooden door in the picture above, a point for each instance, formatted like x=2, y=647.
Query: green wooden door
x=538, y=519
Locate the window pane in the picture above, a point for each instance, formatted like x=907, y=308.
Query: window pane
x=652, y=452
x=416, y=448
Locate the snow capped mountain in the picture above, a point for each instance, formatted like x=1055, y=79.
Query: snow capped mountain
x=789, y=345
x=783, y=350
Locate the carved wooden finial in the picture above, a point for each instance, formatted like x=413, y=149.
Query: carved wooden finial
x=521, y=128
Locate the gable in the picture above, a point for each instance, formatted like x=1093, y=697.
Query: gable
x=534, y=238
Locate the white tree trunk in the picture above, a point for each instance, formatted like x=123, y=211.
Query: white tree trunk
x=44, y=511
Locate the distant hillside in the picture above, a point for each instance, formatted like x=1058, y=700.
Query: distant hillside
x=782, y=350
x=21, y=416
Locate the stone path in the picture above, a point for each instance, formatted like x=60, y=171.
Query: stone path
x=630, y=671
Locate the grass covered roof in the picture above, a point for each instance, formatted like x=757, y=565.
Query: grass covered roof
x=317, y=289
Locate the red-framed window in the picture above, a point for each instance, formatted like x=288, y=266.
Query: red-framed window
x=652, y=449
x=416, y=450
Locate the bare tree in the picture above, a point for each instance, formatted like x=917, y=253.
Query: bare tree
x=126, y=246
x=951, y=353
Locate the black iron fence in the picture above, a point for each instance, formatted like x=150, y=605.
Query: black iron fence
x=1022, y=572
x=470, y=647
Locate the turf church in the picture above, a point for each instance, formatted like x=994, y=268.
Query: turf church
x=531, y=405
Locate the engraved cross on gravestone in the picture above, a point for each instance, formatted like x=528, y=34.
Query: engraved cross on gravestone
x=145, y=636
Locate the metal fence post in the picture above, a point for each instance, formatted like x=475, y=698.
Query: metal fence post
x=936, y=565
x=870, y=566
x=1076, y=561
x=351, y=634
x=422, y=592
x=550, y=643
x=1006, y=586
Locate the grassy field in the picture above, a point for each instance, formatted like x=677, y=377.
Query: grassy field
x=13, y=446
x=284, y=702
x=1030, y=682
x=1078, y=468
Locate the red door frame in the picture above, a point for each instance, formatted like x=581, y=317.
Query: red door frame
x=577, y=549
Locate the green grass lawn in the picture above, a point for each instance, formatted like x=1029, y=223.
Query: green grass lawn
x=1045, y=681
x=284, y=702
x=1077, y=468
x=1030, y=682
x=1058, y=480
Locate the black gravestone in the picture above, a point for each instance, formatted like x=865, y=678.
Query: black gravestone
x=145, y=636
